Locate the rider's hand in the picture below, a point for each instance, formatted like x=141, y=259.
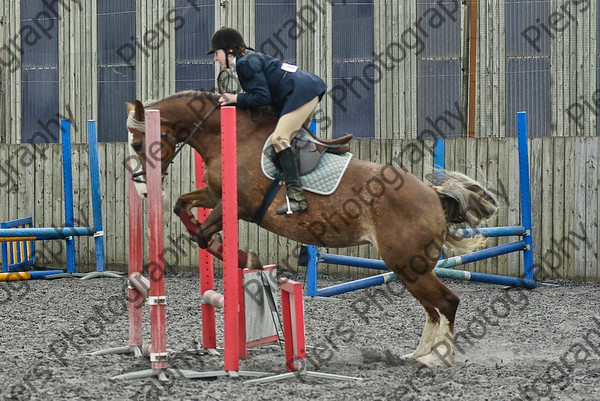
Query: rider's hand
x=228, y=98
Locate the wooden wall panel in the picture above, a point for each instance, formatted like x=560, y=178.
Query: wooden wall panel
x=564, y=194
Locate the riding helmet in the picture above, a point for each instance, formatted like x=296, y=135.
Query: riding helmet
x=226, y=38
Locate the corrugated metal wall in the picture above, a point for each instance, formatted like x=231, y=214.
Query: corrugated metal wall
x=411, y=56
x=116, y=65
x=78, y=60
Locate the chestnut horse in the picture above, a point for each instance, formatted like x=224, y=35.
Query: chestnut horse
x=382, y=205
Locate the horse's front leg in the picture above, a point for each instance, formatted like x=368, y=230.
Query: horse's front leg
x=214, y=221
x=183, y=209
x=212, y=225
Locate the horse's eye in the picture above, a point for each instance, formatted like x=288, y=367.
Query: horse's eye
x=137, y=146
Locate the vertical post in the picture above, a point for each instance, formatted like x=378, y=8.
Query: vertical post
x=311, y=250
x=207, y=282
x=525, y=193
x=65, y=128
x=135, y=264
x=243, y=349
x=439, y=163
x=31, y=247
x=5, y=253
x=157, y=299
x=311, y=271
x=292, y=307
x=439, y=153
x=96, y=198
x=230, y=236
x=288, y=328
x=473, y=19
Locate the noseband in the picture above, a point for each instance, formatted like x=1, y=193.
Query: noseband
x=197, y=128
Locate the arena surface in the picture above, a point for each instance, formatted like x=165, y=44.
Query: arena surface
x=540, y=344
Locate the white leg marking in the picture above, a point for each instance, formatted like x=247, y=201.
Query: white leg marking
x=428, y=339
x=442, y=349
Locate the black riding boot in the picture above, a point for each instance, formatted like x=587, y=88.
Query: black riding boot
x=291, y=175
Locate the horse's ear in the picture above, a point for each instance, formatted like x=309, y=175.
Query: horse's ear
x=129, y=106
x=139, y=111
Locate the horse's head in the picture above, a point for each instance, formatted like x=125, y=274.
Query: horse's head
x=138, y=159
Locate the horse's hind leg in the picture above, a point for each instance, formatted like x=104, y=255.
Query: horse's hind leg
x=436, y=347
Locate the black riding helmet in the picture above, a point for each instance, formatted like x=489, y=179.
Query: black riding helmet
x=227, y=38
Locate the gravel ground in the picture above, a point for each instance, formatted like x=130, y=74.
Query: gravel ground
x=511, y=344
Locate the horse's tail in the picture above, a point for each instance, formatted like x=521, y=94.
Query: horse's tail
x=465, y=201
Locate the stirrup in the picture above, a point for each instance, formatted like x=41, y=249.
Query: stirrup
x=292, y=205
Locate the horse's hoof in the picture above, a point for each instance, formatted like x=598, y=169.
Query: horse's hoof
x=408, y=357
x=253, y=261
x=433, y=361
x=200, y=240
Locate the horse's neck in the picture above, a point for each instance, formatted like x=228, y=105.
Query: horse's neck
x=206, y=138
x=207, y=141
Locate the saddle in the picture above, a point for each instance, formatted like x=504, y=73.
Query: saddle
x=309, y=149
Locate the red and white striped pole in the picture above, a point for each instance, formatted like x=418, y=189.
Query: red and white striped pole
x=157, y=298
x=230, y=237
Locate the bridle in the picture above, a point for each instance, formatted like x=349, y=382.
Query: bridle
x=197, y=127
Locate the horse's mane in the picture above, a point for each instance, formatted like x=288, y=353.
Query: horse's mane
x=132, y=123
x=186, y=93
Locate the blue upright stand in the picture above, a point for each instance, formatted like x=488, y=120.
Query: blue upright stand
x=65, y=130
x=443, y=267
x=97, y=206
x=525, y=194
x=312, y=265
x=439, y=151
x=70, y=228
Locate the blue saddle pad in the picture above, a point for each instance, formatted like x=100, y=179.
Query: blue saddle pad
x=323, y=180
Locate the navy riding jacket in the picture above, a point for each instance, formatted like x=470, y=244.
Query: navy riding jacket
x=269, y=81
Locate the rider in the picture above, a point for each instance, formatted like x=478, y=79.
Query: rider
x=268, y=81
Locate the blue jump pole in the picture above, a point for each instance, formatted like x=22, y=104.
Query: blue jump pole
x=390, y=277
x=366, y=282
x=96, y=198
x=43, y=274
x=441, y=270
x=490, y=231
x=68, y=189
x=377, y=264
x=352, y=261
x=41, y=233
x=481, y=255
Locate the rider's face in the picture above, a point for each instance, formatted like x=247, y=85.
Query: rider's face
x=220, y=58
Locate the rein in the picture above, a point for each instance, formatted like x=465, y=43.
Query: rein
x=197, y=127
